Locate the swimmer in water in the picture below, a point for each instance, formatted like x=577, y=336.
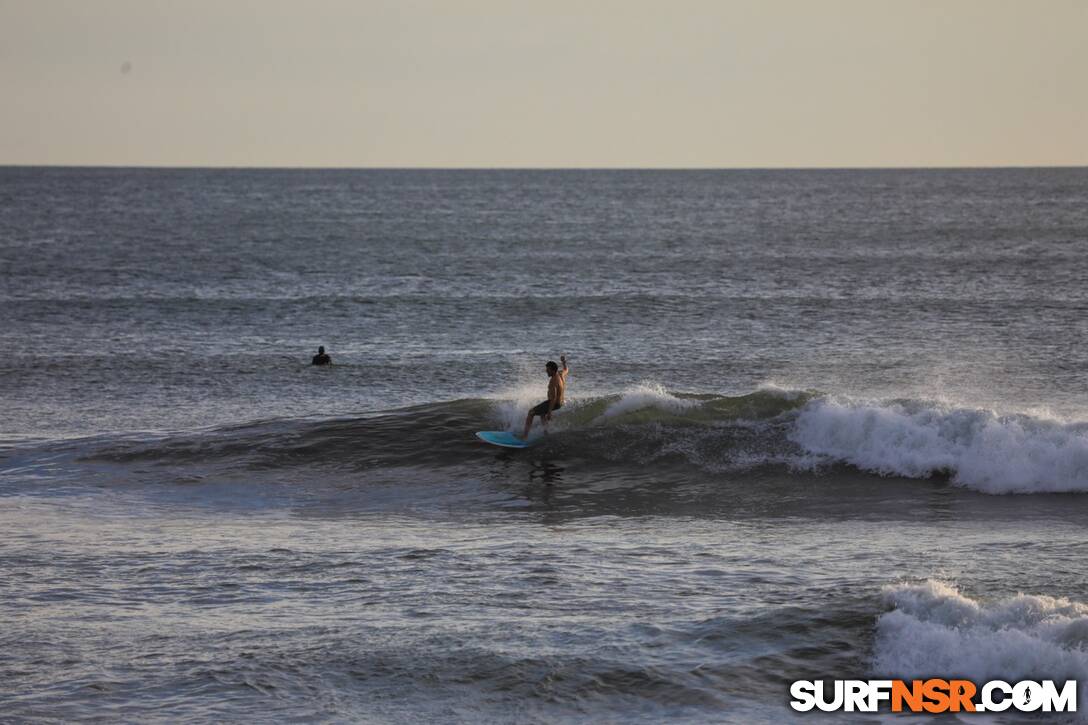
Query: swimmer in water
x=321, y=358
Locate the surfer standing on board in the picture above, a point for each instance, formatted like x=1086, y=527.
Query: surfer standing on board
x=557, y=386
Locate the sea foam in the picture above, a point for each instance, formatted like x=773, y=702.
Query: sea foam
x=979, y=449
x=644, y=396
x=933, y=630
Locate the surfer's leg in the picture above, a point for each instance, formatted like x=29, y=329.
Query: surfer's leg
x=540, y=409
x=545, y=414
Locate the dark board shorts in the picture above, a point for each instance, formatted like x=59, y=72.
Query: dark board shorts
x=542, y=409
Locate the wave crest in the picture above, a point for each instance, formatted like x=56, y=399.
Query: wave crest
x=800, y=433
x=977, y=448
x=935, y=630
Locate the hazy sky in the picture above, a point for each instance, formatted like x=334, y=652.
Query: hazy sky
x=679, y=83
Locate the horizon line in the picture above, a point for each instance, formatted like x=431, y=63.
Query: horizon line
x=380, y=167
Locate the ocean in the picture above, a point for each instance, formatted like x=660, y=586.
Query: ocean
x=820, y=424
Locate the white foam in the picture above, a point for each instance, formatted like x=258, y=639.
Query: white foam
x=779, y=391
x=511, y=405
x=982, y=450
x=935, y=631
x=647, y=395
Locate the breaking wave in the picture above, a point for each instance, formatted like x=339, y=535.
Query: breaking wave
x=977, y=449
x=799, y=433
x=934, y=628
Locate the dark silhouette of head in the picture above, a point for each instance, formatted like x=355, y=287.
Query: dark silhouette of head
x=551, y=367
x=321, y=350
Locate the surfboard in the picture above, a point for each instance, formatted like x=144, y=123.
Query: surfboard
x=502, y=438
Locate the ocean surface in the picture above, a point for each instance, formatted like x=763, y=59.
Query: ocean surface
x=820, y=425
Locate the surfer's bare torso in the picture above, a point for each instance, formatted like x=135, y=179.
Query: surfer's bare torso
x=557, y=387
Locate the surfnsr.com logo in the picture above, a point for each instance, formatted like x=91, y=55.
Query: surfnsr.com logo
x=933, y=696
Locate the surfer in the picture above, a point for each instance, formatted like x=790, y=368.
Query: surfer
x=321, y=358
x=557, y=386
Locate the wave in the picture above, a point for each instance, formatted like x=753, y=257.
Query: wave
x=934, y=630
x=646, y=427
x=646, y=423
x=977, y=449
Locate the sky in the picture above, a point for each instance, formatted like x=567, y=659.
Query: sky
x=507, y=83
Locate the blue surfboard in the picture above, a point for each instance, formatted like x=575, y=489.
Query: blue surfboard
x=502, y=438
